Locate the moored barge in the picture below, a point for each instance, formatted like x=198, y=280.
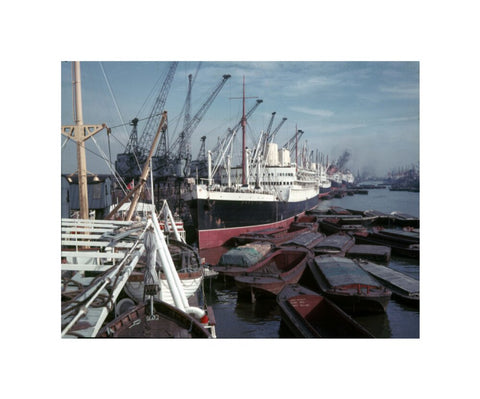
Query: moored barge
x=348, y=285
x=308, y=314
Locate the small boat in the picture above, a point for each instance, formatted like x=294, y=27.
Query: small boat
x=348, y=285
x=283, y=266
x=404, y=288
x=344, y=216
x=159, y=320
x=403, y=219
x=335, y=244
x=399, y=247
x=400, y=235
x=275, y=236
x=338, y=210
x=237, y=260
x=381, y=217
x=373, y=252
x=308, y=240
x=335, y=225
x=308, y=314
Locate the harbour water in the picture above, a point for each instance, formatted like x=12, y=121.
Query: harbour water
x=237, y=318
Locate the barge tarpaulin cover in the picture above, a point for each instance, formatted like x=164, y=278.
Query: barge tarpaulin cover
x=342, y=271
x=245, y=255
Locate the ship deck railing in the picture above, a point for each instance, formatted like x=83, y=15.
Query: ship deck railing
x=109, y=249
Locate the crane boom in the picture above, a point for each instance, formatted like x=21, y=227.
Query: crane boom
x=272, y=136
x=290, y=144
x=270, y=123
x=189, y=129
x=184, y=149
x=132, y=144
x=186, y=120
x=221, y=142
x=153, y=121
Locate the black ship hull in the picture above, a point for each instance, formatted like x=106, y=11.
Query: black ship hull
x=216, y=221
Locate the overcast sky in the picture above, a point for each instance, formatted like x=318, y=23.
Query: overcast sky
x=370, y=109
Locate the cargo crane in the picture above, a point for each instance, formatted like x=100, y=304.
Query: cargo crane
x=275, y=131
x=199, y=166
x=265, y=139
x=270, y=123
x=184, y=147
x=128, y=164
x=291, y=144
x=260, y=149
x=219, y=149
x=162, y=165
x=202, y=155
x=183, y=160
x=132, y=144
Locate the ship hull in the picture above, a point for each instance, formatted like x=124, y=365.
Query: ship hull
x=219, y=219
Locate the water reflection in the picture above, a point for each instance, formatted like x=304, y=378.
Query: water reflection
x=377, y=324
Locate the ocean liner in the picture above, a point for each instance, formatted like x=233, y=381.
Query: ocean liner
x=268, y=190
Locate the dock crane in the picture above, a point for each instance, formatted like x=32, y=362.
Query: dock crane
x=132, y=144
x=202, y=155
x=270, y=123
x=199, y=166
x=265, y=138
x=187, y=132
x=154, y=119
x=184, y=147
x=275, y=131
x=128, y=163
x=290, y=144
x=219, y=147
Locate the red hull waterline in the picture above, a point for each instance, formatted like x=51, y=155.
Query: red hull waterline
x=217, y=237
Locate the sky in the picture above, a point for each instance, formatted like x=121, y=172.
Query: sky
x=370, y=109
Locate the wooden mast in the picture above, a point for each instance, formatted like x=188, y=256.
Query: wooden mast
x=81, y=133
x=146, y=168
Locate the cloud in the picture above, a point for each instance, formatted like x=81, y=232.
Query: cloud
x=401, y=119
x=407, y=91
x=312, y=111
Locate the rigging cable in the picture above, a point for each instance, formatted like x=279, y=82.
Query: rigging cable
x=109, y=165
x=113, y=96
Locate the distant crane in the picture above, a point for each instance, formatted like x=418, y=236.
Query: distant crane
x=217, y=150
x=270, y=123
x=290, y=144
x=266, y=138
x=156, y=114
x=184, y=147
x=132, y=144
x=272, y=135
x=128, y=163
x=202, y=155
x=187, y=132
x=200, y=165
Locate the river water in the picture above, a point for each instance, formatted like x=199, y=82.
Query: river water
x=237, y=318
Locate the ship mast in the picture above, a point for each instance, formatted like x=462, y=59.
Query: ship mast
x=244, y=123
x=81, y=133
x=296, y=148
